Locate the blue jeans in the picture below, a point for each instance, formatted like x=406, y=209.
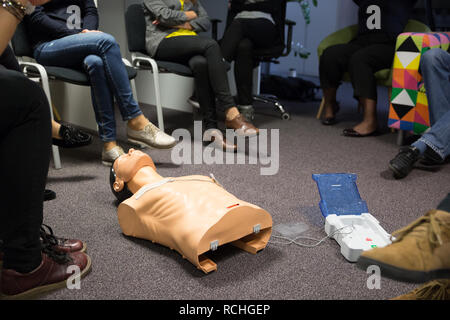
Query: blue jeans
x=99, y=55
x=435, y=69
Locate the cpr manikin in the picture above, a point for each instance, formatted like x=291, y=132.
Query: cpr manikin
x=191, y=214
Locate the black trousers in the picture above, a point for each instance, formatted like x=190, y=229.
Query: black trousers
x=25, y=141
x=238, y=43
x=204, y=57
x=8, y=60
x=362, y=57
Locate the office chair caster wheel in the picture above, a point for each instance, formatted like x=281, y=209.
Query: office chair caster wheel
x=285, y=116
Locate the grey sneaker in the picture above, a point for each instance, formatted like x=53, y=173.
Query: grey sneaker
x=151, y=137
x=108, y=157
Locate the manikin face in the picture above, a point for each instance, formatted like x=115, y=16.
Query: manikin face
x=127, y=165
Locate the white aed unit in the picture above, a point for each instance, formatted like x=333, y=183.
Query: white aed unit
x=346, y=216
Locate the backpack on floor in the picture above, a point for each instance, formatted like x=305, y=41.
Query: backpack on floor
x=289, y=88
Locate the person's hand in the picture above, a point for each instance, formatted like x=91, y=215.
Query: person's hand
x=86, y=31
x=191, y=15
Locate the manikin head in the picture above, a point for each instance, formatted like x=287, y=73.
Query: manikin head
x=124, y=169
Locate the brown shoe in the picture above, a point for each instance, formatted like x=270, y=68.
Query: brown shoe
x=433, y=290
x=420, y=252
x=50, y=275
x=219, y=141
x=241, y=126
x=61, y=244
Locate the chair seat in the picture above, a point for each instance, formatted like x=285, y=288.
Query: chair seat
x=269, y=53
x=171, y=67
x=75, y=76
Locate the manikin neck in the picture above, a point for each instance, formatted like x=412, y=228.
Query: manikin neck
x=145, y=175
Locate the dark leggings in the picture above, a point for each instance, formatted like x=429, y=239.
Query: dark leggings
x=8, y=60
x=25, y=141
x=204, y=57
x=362, y=57
x=238, y=43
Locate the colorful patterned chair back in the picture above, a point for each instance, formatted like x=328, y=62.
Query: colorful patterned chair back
x=409, y=104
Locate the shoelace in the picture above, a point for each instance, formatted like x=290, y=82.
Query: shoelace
x=433, y=228
x=434, y=290
x=151, y=129
x=49, y=243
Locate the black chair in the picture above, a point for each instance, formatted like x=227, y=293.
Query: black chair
x=43, y=74
x=270, y=55
x=135, y=25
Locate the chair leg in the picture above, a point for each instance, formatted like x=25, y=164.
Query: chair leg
x=321, y=107
x=400, y=137
x=159, y=111
x=274, y=100
x=55, y=149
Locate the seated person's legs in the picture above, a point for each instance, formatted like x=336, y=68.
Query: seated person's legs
x=207, y=102
x=238, y=43
x=182, y=49
x=332, y=67
x=434, y=145
x=99, y=54
x=26, y=122
x=362, y=67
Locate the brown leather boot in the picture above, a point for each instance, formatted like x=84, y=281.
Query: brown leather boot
x=420, y=252
x=241, y=126
x=433, y=290
x=50, y=275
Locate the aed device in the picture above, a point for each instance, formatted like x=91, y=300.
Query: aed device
x=347, y=217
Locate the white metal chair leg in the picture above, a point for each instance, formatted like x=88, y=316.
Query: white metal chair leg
x=159, y=112
x=46, y=88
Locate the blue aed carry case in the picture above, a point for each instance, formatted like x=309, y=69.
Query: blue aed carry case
x=339, y=194
x=347, y=218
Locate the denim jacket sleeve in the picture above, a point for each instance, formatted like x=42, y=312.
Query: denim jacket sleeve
x=164, y=14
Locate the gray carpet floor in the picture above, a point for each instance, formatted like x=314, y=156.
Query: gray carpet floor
x=126, y=268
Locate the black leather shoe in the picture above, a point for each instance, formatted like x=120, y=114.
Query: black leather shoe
x=404, y=161
x=49, y=195
x=431, y=158
x=72, y=138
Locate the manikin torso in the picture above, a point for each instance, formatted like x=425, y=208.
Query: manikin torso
x=190, y=213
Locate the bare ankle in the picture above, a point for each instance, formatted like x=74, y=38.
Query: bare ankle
x=138, y=123
x=109, y=145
